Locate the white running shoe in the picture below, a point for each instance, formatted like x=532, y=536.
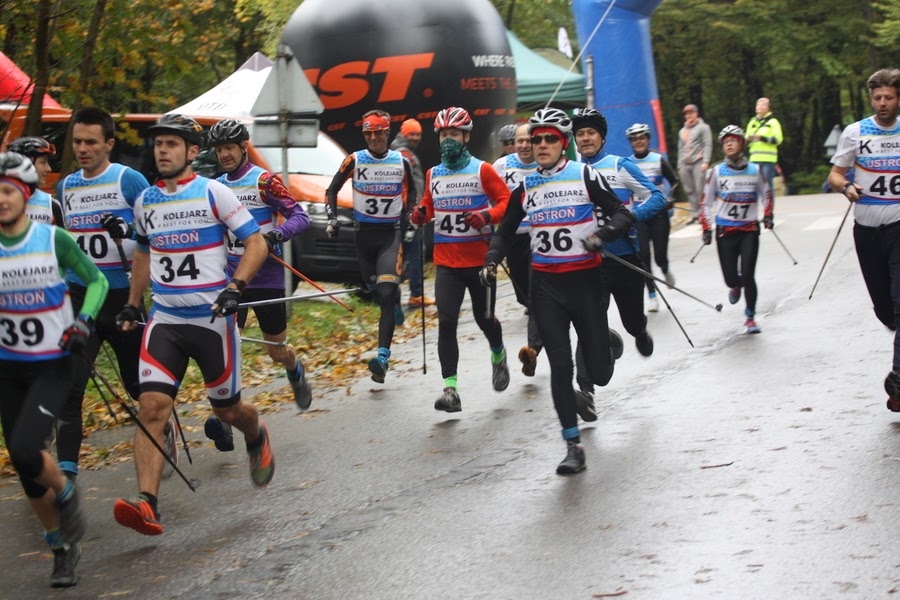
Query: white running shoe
x=652, y=305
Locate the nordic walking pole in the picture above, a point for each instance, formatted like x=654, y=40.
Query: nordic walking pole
x=698, y=252
x=295, y=298
x=191, y=483
x=625, y=263
x=264, y=342
x=674, y=316
x=827, y=256
x=305, y=278
x=187, y=450
x=422, y=275
x=791, y=256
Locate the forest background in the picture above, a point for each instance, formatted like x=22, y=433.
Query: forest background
x=811, y=59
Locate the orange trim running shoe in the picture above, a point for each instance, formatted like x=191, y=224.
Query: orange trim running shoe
x=138, y=515
x=262, y=461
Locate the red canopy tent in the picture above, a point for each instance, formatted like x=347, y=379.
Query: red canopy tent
x=16, y=86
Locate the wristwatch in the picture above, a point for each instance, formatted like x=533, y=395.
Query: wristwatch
x=277, y=235
x=240, y=284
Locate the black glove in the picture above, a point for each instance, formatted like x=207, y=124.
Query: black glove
x=227, y=302
x=608, y=233
x=75, y=337
x=331, y=230
x=129, y=314
x=273, y=238
x=116, y=227
x=769, y=222
x=488, y=275
x=707, y=237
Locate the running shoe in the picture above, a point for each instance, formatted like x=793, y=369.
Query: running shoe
x=449, y=401
x=644, y=343
x=584, y=405
x=220, y=433
x=653, y=304
x=170, y=445
x=734, y=294
x=378, y=367
x=137, y=514
x=420, y=301
x=262, y=461
x=750, y=326
x=64, y=562
x=670, y=279
x=302, y=390
x=528, y=357
x=574, y=460
x=71, y=517
x=616, y=344
x=500, y=374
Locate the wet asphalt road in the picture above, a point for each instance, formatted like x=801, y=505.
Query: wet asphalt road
x=746, y=467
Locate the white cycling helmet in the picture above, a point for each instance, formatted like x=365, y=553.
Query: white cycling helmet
x=637, y=130
x=15, y=166
x=551, y=117
x=731, y=130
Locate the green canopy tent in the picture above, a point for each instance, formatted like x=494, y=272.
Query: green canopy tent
x=537, y=79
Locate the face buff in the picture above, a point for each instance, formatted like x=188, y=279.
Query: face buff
x=454, y=155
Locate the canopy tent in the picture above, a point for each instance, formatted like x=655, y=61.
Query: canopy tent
x=537, y=78
x=16, y=86
x=234, y=96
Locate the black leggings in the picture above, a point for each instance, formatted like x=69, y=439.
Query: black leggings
x=30, y=391
x=450, y=286
x=519, y=260
x=127, y=348
x=654, y=232
x=878, y=251
x=743, y=245
x=578, y=298
x=380, y=262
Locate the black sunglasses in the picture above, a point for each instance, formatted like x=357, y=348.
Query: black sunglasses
x=547, y=137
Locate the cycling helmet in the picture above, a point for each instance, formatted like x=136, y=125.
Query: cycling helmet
x=453, y=118
x=179, y=125
x=637, y=130
x=16, y=166
x=507, y=134
x=731, y=130
x=32, y=147
x=589, y=117
x=551, y=117
x=228, y=131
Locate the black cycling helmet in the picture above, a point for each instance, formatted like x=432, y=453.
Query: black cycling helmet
x=228, y=131
x=32, y=147
x=589, y=117
x=16, y=166
x=180, y=125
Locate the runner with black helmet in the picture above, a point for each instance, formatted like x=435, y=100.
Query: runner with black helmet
x=41, y=332
x=266, y=197
x=463, y=195
x=655, y=230
x=181, y=224
x=98, y=202
x=42, y=207
x=567, y=289
x=735, y=196
x=383, y=187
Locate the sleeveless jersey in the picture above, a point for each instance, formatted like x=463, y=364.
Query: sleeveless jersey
x=247, y=191
x=378, y=187
x=878, y=173
x=456, y=192
x=512, y=171
x=186, y=231
x=85, y=200
x=561, y=215
x=34, y=298
x=622, y=184
x=40, y=207
x=737, y=195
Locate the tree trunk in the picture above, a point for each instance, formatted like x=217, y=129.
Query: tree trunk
x=42, y=72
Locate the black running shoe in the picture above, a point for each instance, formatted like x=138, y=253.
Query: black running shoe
x=616, y=344
x=584, y=405
x=449, y=401
x=500, y=374
x=892, y=387
x=220, y=433
x=574, y=460
x=71, y=517
x=64, y=562
x=644, y=343
x=301, y=388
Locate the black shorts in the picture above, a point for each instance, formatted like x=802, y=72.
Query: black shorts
x=272, y=318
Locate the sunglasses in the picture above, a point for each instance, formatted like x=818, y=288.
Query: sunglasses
x=547, y=137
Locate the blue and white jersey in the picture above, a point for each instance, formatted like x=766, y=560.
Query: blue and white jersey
x=512, y=171
x=561, y=215
x=634, y=190
x=34, y=298
x=85, y=200
x=875, y=153
x=40, y=207
x=378, y=187
x=247, y=191
x=187, y=244
x=454, y=193
x=735, y=198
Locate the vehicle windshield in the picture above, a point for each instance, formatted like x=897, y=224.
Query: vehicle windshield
x=324, y=159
